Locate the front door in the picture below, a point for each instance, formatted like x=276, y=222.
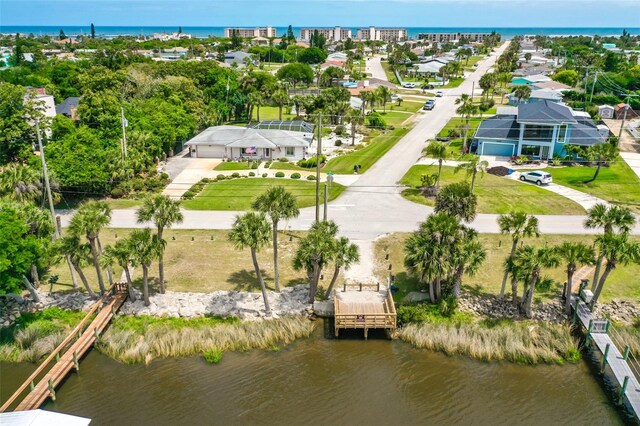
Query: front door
x=544, y=153
x=267, y=153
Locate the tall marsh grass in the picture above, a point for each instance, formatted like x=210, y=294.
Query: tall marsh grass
x=160, y=338
x=525, y=343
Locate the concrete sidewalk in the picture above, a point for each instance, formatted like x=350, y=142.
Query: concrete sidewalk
x=633, y=160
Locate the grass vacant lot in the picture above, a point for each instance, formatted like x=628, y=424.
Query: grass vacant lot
x=617, y=184
x=366, y=156
x=389, y=72
x=234, y=165
x=114, y=203
x=622, y=282
x=271, y=113
x=238, y=194
x=495, y=194
x=468, y=64
x=395, y=118
x=456, y=122
x=208, y=263
x=407, y=106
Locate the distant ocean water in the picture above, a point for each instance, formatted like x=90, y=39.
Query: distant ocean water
x=201, y=32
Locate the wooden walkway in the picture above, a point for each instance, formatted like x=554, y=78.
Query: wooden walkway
x=597, y=331
x=68, y=354
x=364, y=306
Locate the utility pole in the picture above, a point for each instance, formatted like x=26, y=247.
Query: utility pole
x=586, y=85
x=624, y=117
x=473, y=86
x=595, y=79
x=47, y=186
x=124, y=133
x=326, y=199
x=318, y=154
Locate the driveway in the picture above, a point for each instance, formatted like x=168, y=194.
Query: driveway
x=374, y=67
x=633, y=160
x=188, y=171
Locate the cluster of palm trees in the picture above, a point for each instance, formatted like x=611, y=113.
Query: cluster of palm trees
x=317, y=249
x=140, y=249
x=380, y=96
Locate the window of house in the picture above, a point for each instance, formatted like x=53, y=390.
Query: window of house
x=530, y=150
x=534, y=132
x=290, y=151
x=562, y=133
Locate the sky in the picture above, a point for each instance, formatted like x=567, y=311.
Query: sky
x=348, y=13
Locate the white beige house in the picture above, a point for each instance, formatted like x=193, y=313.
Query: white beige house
x=234, y=143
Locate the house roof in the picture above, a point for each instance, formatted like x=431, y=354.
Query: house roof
x=545, y=112
x=243, y=137
x=429, y=67
x=293, y=126
x=67, y=105
x=549, y=94
x=553, y=85
x=499, y=127
x=585, y=132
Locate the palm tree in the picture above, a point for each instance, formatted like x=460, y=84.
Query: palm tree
x=145, y=248
x=121, y=254
x=356, y=118
x=346, y=253
x=618, y=250
x=90, y=218
x=366, y=97
x=256, y=99
x=252, y=230
x=163, y=212
x=467, y=258
x=474, y=166
x=601, y=153
x=79, y=255
x=466, y=109
x=519, y=225
x=574, y=254
x=522, y=93
x=439, y=151
x=19, y=182
x=383, y=93
x=531, y=260
x=280, y=98
x=457, y=200
x=315, y=251
x=279, y=205
x=611, y=219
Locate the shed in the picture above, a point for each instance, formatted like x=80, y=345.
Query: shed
x=606, y=111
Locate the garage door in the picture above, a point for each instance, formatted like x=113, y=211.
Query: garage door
x=497, y=149
x=205, y=151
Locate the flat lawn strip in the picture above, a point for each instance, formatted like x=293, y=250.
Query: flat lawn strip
x=287, y=165
x=238, y=194
x=206, y=264
x=389, y=72
x=366, y=156
x=395, y=118
x=454, y=82
x=407, y=106
x=617, y=184
x=114, y=203
x=622, y=282
x=271, y=113
x=495, y=194
x=456, y=122
x=233, y=165
x=469, y=64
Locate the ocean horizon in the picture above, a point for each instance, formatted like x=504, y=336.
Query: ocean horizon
x=216, y=31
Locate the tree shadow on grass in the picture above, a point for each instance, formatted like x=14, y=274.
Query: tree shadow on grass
x=246, y=280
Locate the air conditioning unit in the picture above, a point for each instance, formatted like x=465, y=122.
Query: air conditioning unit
x=586, y=296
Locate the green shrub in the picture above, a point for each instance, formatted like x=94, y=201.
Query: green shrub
x=164, y=176
x=205, y=180
x=235, y=175
x=295, y=175
x=338, y=143
x=267, y=164
x=311, y=177
x=339, y=130
x=255, y=165
x=408, y=314
x=212, y=356
x=375, y=120
x=283, y=159
x=486, y=104
x=279, y=174
x=252, y=174
x=188, y=195
x=117, y=193
x=221, y=177
x=311, y=162
x=264, y=175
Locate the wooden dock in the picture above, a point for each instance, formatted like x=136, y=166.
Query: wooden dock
x=44, y=381
x=364, y=306
x=598, y=332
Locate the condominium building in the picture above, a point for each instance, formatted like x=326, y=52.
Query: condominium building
x=449, y=37
x=266, y=32
x=332, y=34
x=385, y=34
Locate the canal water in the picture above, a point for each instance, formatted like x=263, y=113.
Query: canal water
x=319, y=381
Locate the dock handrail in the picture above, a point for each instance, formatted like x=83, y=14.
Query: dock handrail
x=56, y=352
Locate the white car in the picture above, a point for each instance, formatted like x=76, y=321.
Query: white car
x=540, y=178
x=395, y=98
x=439, y=94
x=408, y=85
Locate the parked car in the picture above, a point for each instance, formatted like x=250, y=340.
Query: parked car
x=429, y=105
x=540, y=178
x=408, y=85
x=475, y=65
x=439, y=94
x=395, y=97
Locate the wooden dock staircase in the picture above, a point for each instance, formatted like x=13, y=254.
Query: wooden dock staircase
x=48, y=376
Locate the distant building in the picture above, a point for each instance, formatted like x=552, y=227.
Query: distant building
x=267, y=32
x=42, y=102
x=606, y=111
x=529, y=80
x=330, y=34
x=69, y=107
x=450, y=37
x=384, y=34
x=239, y=58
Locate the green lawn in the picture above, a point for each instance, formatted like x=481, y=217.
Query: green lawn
x=407, y=106
x=271, y=113
x=617, y=184
x=395, y=118
x=621, y=283
x=286, y=165
x=456, y=122
x=238, y=194
x=119, y=203
x=453, y=82
x=468, y=65
x=366, y=156
x=234, y=165
x=389, y=72
x=495, y=194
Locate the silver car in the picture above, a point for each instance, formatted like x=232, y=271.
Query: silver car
x=540, y=178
